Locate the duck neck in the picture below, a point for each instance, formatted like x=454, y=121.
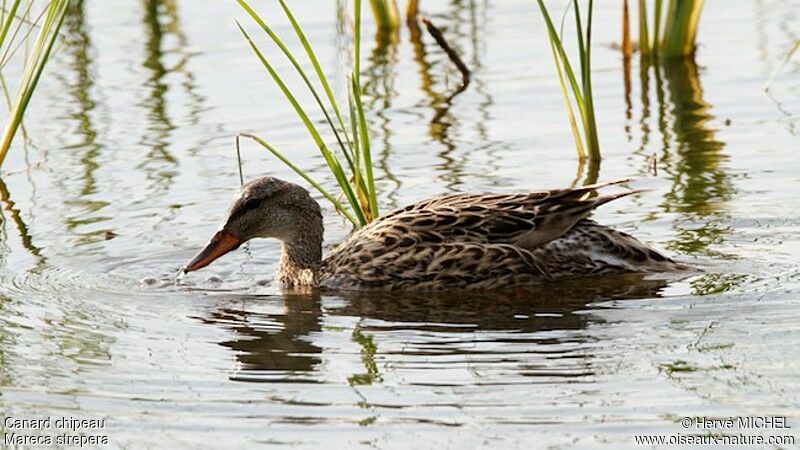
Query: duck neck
x=300, y=261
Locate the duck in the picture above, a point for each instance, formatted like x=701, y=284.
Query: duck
x=469, y=241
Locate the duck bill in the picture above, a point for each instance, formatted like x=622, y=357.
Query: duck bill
x=221, y=243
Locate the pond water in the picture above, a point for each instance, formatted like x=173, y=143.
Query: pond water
x=130, y=164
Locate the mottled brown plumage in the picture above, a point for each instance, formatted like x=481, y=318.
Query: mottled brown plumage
x=459, y=241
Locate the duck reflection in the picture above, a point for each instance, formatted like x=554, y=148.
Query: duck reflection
x=545, y=308
x=273, y=338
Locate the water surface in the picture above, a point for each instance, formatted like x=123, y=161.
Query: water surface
x=130, y=165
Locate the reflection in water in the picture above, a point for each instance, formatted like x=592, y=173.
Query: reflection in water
x=588, y=170
x=79, y=48
x=693, y=159
x=271, y=346
x=695, y=163
x=789, y=34
x=379, y=92
x=6, y=342
x=277, y=346
x=443, y=123
x=6, y=204
x=161, y=22
x=75, y=340
x=546, y=308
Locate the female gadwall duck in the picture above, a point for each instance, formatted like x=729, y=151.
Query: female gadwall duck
x=459, y=241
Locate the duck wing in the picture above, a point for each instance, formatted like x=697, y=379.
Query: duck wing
x=527, y=220
x=430, y=265
x=462, y=240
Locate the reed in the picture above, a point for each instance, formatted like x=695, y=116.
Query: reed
x=586, y=139
x=387, y=17
x=674, y=29
x=680, y=29
x=350, y=160
x=783, y=63
x=49, y=23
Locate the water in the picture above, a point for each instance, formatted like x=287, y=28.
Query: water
x=130, y=165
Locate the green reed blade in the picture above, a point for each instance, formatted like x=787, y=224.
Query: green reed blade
x=34, y=67
x=10, y=48
x=785, y=61
x=579, y=33
x=329, y=157
x=365, y=147
x=644, y=33
x=386, y=14
x=299, y=70
x=7, y=21
x=680, y=29
x=576, y=91
x=591, y=129
x=656, y=43
x=354, y=130
x=347, y=149
x=317, y=66
x=302, y=174
x=570, y=113
x=357, y=38
x=587, y=142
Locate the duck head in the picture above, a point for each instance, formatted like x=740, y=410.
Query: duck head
x=268, y=208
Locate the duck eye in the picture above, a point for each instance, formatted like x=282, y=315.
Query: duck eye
x=252, y=204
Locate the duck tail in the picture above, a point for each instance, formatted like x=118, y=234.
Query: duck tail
x=603, y=199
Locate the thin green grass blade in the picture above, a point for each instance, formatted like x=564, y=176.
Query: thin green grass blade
x=576, y=91
x=585, y=109
x=10, y=48
x=365, y=147
x=357, y=39
x=680, y=29
x=587, y=142
x=354, y=129
x=644, y=33
x=657, y=13
x=592, y=144
x=329, y=157
x=267, y=29
x=34, y=67
x=317, y=67
x=386, y=15
x=570, y=113
x=783, y=64
x=581, y=47
x=303, y=175
x=361, y=187
x=8, y=19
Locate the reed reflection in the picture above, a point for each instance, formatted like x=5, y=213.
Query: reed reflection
x=162, y=24
x=379, y=92
x=693, y=159
x=7, y=207
x=463, y=25
x=695, y=162
x=78, y=46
